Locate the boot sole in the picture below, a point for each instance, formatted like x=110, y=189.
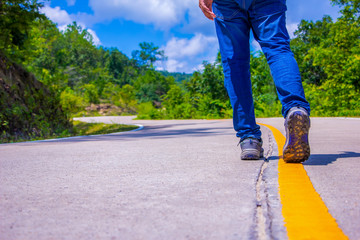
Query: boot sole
x=297, y=148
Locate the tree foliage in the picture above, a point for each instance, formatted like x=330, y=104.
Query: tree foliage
x=16, y=18
x=329, y=57
x=80, y=74
x=148, y=54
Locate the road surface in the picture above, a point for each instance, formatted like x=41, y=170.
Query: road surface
x=176, y=179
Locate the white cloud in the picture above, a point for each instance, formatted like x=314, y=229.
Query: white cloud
x=173, y=65
x=162, y=13
x=291, y=27
x=63, y=19
x=95, y=38
x=255, y=45
x=182, y=47
x=183, y=54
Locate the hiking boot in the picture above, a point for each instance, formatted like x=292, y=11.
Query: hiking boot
x=297, y=124
x=251, y=149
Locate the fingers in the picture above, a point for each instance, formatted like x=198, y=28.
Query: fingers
x=206, y=8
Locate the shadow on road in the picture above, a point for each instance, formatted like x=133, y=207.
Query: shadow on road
x=161, y=131
x=325, y=159
x=322, y=159
x=272, y=158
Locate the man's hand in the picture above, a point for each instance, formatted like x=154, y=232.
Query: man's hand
x=206, y=8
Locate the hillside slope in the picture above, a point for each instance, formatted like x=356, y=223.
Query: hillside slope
x=27, y=108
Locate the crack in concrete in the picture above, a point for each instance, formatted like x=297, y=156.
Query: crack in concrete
x=263, y=220
x=261, y=206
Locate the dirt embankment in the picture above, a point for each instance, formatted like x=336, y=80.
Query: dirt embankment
x=27, y=108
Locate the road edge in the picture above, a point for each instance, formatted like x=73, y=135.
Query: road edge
x=140, y=127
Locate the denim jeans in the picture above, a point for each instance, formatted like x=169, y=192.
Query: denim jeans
x=266, y=18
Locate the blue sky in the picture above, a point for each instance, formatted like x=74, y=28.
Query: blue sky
x=176, y=26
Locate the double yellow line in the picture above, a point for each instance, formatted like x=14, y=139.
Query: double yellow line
x=305, y=214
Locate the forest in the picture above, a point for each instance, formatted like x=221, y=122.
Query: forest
x=89, y=80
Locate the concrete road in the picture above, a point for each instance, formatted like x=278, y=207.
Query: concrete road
x=178, y=179
x=334, y=167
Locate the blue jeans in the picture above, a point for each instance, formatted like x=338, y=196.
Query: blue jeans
x=266, y=18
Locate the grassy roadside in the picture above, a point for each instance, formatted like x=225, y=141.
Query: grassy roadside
x=83, y=128
x=79, y=129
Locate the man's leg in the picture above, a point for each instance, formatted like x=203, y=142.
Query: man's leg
x=267, y=19
x=233, y=29
x=269, y=27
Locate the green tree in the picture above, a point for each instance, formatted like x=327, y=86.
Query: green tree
x=148, y=54
x=308, y=35
x=121, y=67
x=47, y=57
x=111, y=93
x=151, y=86
x=70, y=102
x=177, y=104
x=16, y=18
x=266, y=102
x=350, y=9
x=82, y=55
x=90, y=92
x=207, y=93
x=128, y=98
x=331, y=61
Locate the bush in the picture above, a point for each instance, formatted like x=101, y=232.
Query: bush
x=148, y=111
x=70, y=102
x=90, y=92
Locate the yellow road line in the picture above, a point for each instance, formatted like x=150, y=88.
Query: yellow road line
x=306, y=215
